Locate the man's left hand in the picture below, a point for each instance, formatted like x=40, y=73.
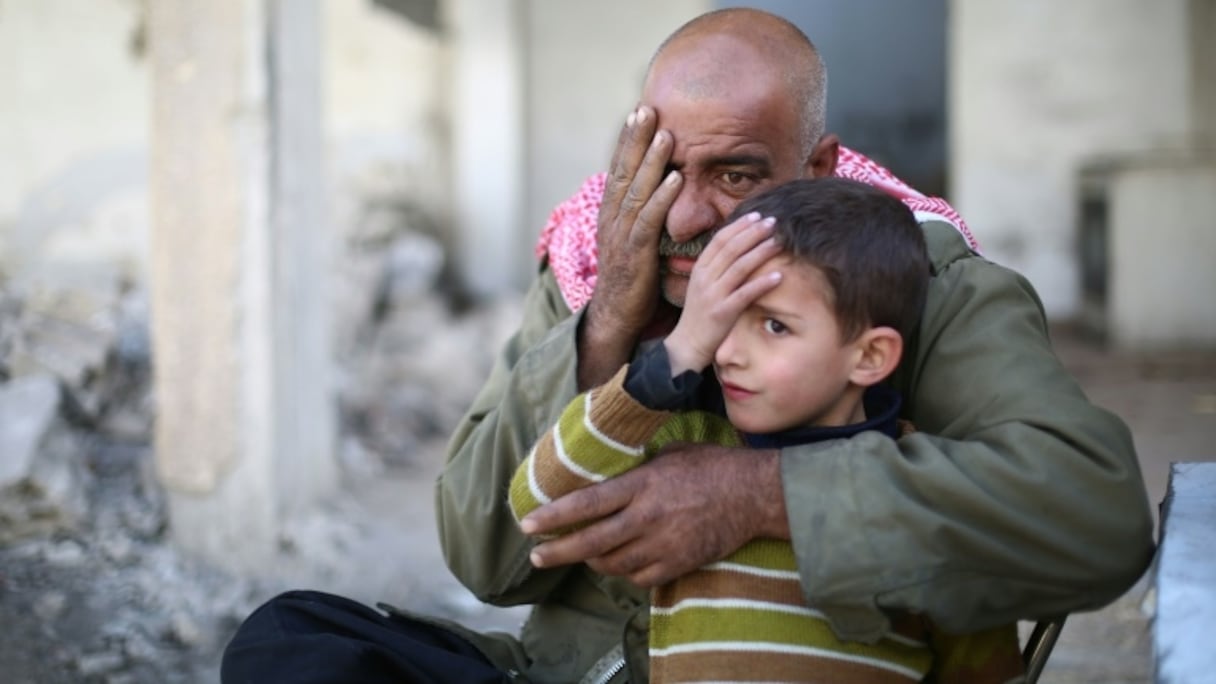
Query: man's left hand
x=691, y=505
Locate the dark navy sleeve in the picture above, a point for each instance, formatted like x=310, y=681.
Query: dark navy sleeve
x=649, y=381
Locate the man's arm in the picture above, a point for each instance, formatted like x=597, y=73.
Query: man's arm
x=692, y=504
x=1017, y=498
x=532, y=381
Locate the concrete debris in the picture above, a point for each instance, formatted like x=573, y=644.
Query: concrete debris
x=64, y=332
x=86, y=571
x=64, y=554
x=28, y=408
x=41, y=478
x=49, y=606
x=93, y=664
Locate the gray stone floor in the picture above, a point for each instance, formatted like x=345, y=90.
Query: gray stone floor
x=1169, y=400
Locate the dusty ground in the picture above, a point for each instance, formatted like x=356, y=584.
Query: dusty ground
x=1169, y=400
x=112, y=602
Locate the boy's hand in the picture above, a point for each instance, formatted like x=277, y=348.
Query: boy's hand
x=720, y=289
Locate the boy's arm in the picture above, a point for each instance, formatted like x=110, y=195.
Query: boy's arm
x=601, y=434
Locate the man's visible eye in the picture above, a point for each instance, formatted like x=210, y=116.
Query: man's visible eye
x=774, y=326
x=739, y=182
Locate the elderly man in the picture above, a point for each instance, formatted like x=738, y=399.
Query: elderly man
x=1016, y=499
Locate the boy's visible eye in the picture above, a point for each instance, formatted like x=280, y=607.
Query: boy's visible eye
x=774, y=326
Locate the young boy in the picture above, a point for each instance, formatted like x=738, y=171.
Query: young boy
x=789, y=337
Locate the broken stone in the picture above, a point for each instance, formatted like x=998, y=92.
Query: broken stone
x=41, y=480
x=137, y=647
x=184, y=630
x=143, y=520
x=68, y=333
x=357, y=462
x=97, y=664
x=64, y=554
x=415, y=262
x=28, y=408
x=133, y=343
x=117, y=548
x=49, y=606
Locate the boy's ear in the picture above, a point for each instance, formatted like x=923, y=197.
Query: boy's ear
x=878, y=352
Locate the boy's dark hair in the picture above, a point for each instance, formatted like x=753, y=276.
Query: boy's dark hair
x=866, y=243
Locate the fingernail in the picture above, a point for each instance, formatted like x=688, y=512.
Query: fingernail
x=659, y=139
x=753, y=216
x=769, y=222
x=672, y=178
x=537, y=561
x=630, y=119
x=775, y=276
x=527, y=526
x=641, y=115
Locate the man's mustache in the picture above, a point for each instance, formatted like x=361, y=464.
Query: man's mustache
x=691, y=249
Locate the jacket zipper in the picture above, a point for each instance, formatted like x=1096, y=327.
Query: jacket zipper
x=607, y=675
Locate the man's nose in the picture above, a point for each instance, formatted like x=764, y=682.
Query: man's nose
x=691, y=214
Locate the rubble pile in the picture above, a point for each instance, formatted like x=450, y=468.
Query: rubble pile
x=91, y=590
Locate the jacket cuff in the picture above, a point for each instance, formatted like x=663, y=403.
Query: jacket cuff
x=823, y=549
x=650, y=383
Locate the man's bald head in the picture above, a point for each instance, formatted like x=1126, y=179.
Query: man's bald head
x=718, y=50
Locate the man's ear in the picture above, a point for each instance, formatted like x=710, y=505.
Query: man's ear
x=822, y=162
x=878, y=352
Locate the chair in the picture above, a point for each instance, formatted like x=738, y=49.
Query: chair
x=1038, y=646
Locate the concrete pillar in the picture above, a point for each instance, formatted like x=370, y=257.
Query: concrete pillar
x=245, y=424
x=1162, y=252
x=1098, y=78
x=1202, y=26
x=487, y=103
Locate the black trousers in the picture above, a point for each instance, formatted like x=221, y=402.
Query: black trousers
x=308, y=637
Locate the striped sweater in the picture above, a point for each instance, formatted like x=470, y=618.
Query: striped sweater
x=742, y=619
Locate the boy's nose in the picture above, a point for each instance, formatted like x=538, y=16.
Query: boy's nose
x=730, y=352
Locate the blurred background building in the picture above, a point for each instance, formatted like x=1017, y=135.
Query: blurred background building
x=263, y=175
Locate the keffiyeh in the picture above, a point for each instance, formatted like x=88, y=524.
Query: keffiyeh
x=568, y=239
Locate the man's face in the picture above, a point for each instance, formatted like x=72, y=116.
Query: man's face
x=783, y=364
x=727, y=148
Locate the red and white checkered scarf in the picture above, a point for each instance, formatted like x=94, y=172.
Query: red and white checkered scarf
x=568, y=239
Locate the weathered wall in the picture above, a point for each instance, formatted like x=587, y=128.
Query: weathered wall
x=74, y=130
x=1039, y=87
x=584, y=69
x=73, y=140
x=1162, y=247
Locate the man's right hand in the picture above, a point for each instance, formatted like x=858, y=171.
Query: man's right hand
x=637, y=196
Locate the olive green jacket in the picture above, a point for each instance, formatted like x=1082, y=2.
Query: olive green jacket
x=1016, y=499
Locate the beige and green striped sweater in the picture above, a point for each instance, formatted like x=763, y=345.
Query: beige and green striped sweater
x=743, y=619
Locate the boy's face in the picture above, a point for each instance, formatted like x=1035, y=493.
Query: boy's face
x=783, y=365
